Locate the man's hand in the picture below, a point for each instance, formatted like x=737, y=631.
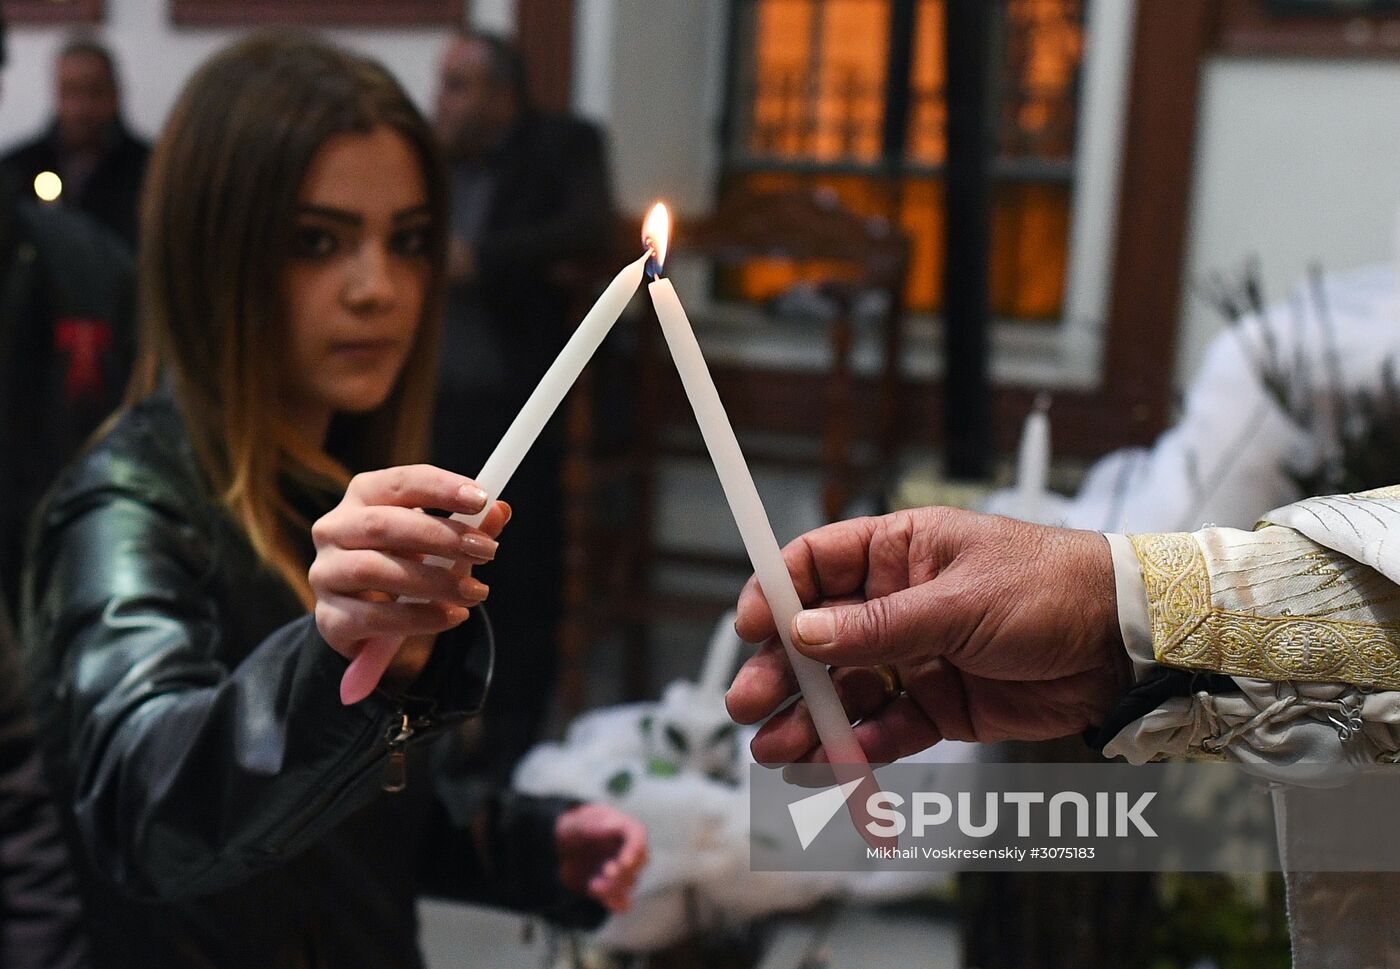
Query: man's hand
x=998, y=630
x=601, y=853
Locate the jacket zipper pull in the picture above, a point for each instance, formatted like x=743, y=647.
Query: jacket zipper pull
x=396, y=773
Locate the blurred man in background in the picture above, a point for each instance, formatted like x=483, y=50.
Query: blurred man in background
x=531, y=206
x=61, y=368
x=99, y=163
x=67, y=338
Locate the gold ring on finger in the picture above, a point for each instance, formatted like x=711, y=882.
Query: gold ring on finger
x=889, y=679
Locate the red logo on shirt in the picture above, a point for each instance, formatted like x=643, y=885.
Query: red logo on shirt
x=85, y=342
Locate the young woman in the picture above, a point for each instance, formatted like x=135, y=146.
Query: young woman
x=187, y=624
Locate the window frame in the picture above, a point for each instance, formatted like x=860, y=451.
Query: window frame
x=382, y=13
x=49, y=12
x=1128, y=400
x=891, y=163
x=1285, y=28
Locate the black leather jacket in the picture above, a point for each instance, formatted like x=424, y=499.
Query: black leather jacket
x=40, y=911
x=228, y=810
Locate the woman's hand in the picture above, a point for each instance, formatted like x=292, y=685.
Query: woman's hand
x=370, y=552
x=601, y=853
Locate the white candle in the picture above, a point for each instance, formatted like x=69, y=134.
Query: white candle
x=828, y=716
x=1033, y=461
x=374, y=658
x=719, y=657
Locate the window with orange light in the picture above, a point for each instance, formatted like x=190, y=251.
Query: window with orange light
x=811, y=97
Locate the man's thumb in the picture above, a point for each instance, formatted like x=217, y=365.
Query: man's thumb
x=883, y=630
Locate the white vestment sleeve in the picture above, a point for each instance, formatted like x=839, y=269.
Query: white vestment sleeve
x=1310, y=636
x=1132, y=604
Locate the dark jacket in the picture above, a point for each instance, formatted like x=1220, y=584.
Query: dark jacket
x=40, y=912
x=67, y=291
x=550, y=206
x=229, y=811
x=112, y=192
x=549, y=212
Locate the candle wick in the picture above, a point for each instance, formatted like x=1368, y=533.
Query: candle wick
x=653, y=267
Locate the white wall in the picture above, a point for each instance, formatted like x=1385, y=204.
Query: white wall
x=1297, y=161
x=654, y=74
x=156, y=58
x=595, y=22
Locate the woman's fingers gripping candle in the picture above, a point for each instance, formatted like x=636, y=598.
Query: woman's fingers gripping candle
x=376, y=654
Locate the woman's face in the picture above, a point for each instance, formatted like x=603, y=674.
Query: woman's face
x=357, y=278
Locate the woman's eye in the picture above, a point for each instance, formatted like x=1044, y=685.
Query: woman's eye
x=314, y=243
x=411, y=242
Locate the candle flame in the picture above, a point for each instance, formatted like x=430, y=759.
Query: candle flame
x=656, y=232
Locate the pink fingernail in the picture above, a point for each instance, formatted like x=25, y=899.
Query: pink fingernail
x=479, y=546
x=473, y=496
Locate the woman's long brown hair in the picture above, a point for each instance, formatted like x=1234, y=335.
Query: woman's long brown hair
x=217, y=224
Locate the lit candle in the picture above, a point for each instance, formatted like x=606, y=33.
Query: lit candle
x=376, y=654
x=833, y=727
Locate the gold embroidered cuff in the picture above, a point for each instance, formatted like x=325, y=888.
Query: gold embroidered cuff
x=1178, y=594
x=1190, y=632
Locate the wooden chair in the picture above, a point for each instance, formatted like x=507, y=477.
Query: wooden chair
x=846, y=256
